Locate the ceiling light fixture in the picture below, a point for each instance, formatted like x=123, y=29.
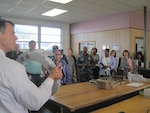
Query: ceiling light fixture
x=54, y=12
x=61, y=1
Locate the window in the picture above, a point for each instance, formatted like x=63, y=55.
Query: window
x=50, y=37
x=25, y=34
x=45, y=38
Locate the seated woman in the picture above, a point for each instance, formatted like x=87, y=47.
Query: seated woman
x=66, y=74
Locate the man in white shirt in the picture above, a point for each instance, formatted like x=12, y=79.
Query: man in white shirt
x=34, y=69
x=17, y=92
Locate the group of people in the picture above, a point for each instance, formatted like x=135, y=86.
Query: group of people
x=90, y=66
x=68, y=62
x=110, y=63
x=37, y=73
x=19, y=94
x=83, y=68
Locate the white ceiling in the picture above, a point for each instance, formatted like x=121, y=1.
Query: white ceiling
x=79, y=10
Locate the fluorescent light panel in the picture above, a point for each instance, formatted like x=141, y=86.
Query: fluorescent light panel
x=54, y=12
x=61, y=1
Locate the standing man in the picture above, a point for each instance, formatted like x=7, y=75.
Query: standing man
x=33, y=68
x=85, y=65
x=14, y=54
x=18, y=93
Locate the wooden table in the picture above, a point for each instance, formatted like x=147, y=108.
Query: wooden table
x=136, y=104
x=84, y=96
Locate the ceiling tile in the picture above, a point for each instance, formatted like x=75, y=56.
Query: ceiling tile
x=26, y=5
x=18, y=10
x=39, y=10
x=8, y=2
x=34, y=1
x=52, y=4
x=79, y=10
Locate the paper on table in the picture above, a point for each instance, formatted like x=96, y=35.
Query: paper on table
x=135, y=84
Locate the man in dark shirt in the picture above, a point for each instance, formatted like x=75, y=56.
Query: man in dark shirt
x=14, y=54
x=85, y=65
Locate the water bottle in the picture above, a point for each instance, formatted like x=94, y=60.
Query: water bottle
x=129, y=76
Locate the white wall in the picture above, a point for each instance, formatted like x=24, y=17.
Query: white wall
x=65, y=29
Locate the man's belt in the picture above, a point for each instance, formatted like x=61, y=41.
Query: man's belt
x=33, y=74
